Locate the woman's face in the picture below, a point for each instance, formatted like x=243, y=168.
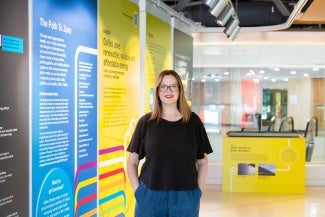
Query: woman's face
x=168, y=90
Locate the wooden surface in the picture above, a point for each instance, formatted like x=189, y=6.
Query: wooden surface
x=214, y=203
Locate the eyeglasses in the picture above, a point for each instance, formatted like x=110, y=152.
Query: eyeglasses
x=172, y=87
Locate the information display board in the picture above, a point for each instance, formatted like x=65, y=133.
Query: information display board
x=158, y=54
x=183, y=59
x=118, y=103
x=14, y=109
x=64, y=108
x=263, y=164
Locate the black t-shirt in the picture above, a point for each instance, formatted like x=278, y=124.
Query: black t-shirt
x=170, y=150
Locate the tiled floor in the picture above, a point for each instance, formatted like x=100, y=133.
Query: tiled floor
x=215, y=203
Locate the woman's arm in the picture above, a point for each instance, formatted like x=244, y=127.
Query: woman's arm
x=132, y=170
x=202, y=167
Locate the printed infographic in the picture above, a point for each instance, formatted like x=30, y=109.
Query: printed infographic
x=119, y=107
x=158, y=54
x=14, y=110
x=64, y=108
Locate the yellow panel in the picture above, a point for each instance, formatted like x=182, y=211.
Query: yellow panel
x=274, y=165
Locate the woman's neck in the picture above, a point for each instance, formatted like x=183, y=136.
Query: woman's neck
x=171, y=113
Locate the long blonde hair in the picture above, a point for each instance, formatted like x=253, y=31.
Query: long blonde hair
x=182, y=104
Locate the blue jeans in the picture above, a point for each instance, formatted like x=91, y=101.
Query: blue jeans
x=151, y=203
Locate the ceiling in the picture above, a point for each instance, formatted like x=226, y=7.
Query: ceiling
x=257, y=13
x=269, y=15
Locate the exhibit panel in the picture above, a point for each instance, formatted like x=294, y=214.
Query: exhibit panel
x=118, y=90
x=64, y=108
x=14, y=110
x=263, y=164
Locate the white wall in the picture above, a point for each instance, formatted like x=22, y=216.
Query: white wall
x=300, y=101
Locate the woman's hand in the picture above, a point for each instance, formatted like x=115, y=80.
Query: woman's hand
x=132, y=170
x=202, y=168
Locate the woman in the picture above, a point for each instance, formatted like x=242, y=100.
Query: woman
x=174, y=143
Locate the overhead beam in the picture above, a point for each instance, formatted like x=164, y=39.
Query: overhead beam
x=282, y=8
x=181, y=5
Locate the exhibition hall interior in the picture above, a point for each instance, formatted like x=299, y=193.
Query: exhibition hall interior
x=76, y=76
x=268, y=77
x=274, y=68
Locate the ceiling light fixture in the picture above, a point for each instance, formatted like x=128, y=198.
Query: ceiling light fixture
x=225, y=14
x=234, y=34
x=231, y=25
x=210, y=3
x=216, y=9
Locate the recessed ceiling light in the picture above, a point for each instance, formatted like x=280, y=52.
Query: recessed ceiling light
x=261, y=71
x=226, y=73
x=276, y=69
x=315, y=69
x=203, y=80
x=306, y=75
x=293, y=72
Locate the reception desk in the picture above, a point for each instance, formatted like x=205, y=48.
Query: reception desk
x=269, y=163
